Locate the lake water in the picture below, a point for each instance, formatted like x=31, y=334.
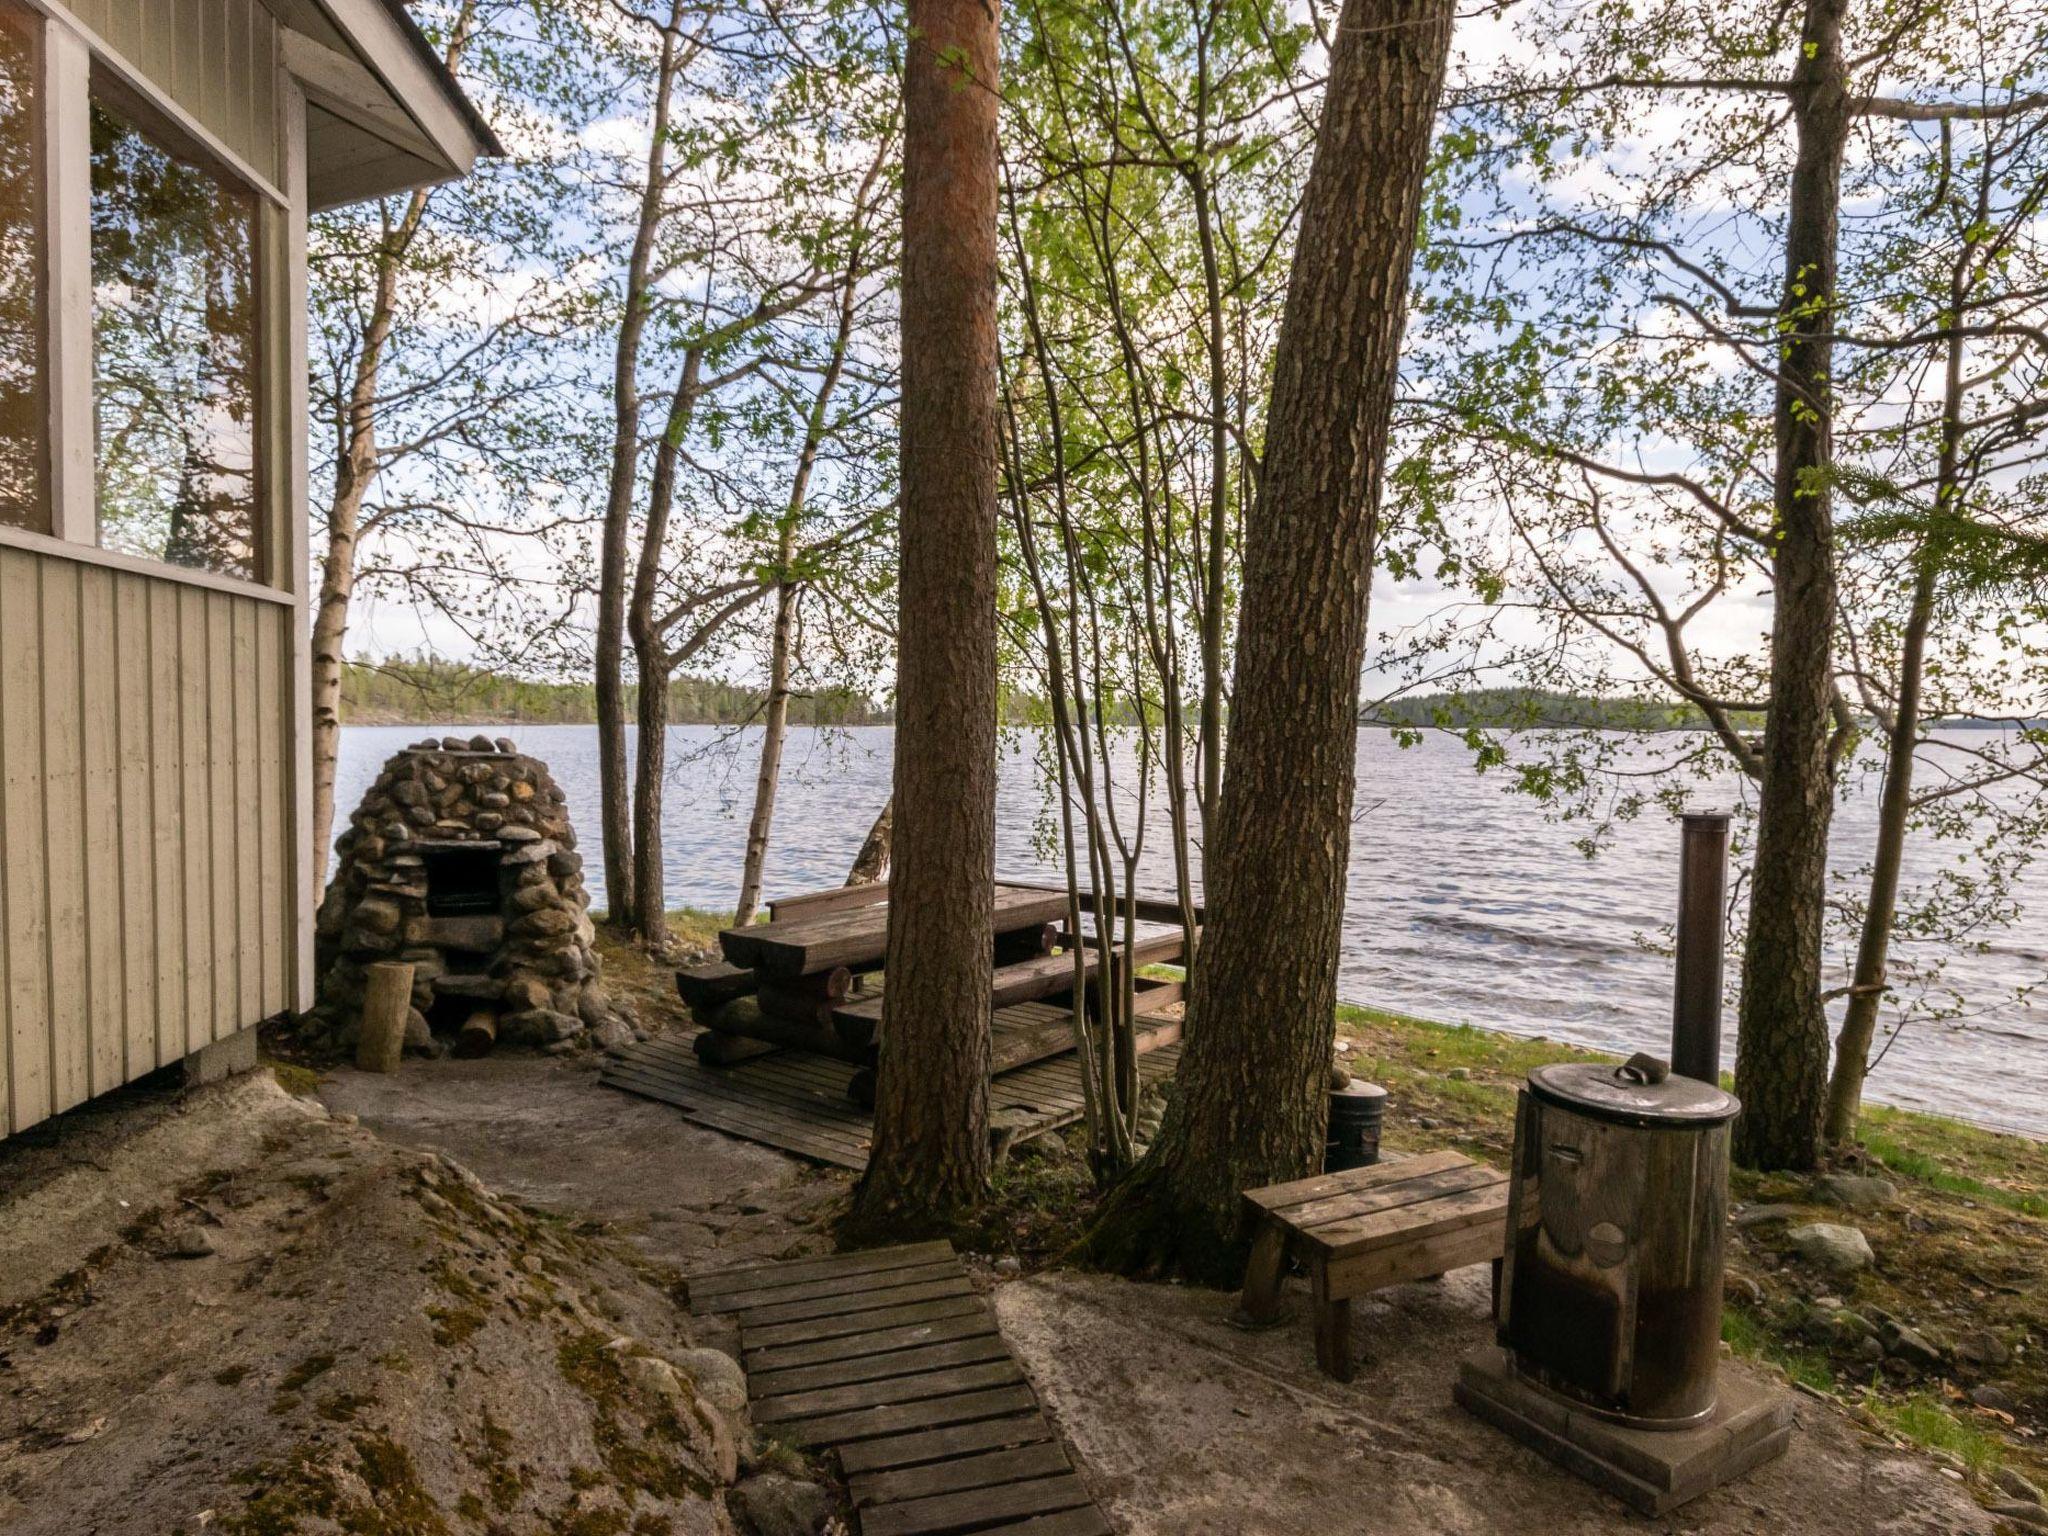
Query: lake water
x=1465, y=903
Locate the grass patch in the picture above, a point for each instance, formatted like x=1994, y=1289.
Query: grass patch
x=631, y=974
x=1041, y=1198
x=1754, y=1338
x=2010, y=1172
x=300, y=1082
x=1925, y=1420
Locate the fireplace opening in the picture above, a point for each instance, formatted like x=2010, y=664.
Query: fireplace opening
x=462, y=881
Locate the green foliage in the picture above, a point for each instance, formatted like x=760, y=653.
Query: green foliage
x=1589, y=440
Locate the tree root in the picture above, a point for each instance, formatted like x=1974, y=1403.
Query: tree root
x=1151, y=1229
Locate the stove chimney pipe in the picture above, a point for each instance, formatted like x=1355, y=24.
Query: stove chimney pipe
x=1702, y=893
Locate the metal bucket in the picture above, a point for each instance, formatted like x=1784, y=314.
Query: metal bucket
x=1357, y=1111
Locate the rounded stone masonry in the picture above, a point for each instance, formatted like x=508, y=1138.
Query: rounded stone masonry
x=462, y=861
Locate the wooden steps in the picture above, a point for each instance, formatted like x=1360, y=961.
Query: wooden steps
x=887, y=1360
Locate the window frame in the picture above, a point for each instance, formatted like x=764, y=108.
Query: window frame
x=110, y=91
x=76, y=67
x=35, y=27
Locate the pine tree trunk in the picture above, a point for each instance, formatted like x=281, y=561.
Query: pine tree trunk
x=1781, y=1065
x=930, y=1158
x=1252, y=1089
x=872, y=862
x=774, y=728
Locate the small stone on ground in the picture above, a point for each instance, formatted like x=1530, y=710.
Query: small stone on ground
x=1843, y=1250
x=773, y=1505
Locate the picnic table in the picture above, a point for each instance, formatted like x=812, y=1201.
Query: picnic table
x=810, y=980
x=799, y=941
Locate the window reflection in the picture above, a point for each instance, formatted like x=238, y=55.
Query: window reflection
x=174, y=354
x=24, y=422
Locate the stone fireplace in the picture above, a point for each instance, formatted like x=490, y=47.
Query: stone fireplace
x=461, y=861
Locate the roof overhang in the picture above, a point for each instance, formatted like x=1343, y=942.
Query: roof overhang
x=383, y=113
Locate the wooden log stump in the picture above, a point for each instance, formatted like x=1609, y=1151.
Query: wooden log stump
x=744, y=1017
x=387, y=999
x=796, y=1005
x=479, y=1033
x=1025, y=943
x=713, y=984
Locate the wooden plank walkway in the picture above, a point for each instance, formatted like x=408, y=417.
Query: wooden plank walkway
x=889, y=1361
x=797, y=1102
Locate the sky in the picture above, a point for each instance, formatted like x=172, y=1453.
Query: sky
x=1487, y=39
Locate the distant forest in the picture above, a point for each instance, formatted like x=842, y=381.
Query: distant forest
x=1533, y=709
x=428, y=691
x=1530, y=709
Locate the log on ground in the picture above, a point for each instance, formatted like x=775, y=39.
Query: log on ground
x=744, y=1017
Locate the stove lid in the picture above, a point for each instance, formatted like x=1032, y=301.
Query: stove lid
x=1641, y=1091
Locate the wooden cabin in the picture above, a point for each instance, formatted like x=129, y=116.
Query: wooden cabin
x=158, y=159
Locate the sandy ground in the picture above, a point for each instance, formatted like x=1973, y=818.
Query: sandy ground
x=544, y=1130
x=1188, y=1424
x=1183, y=1422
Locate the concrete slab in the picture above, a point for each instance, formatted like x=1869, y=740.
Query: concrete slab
x=1652, y=1470
x=222, y=1059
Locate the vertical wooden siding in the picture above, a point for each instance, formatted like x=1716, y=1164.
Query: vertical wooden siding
x=145, y=872
x=216, y=58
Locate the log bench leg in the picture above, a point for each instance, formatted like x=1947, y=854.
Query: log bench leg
x=1261, y=1299
x=1496, y=1290
x=1333, y=1326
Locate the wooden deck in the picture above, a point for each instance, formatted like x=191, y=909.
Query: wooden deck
x=797, y=1102
x=887, y=1360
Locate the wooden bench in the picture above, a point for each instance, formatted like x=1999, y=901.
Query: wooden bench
x=1371, y=1227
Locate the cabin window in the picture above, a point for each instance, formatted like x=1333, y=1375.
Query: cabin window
x=175, y=328
x=24, y=422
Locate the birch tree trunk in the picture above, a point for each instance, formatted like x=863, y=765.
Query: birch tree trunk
x=930, y=1158
x=774, y=727
x=1895, y=803
x=872, y=862
x=355, y=469
x=609, y=649
x=1895, y=806
x=1781, y=1065
x=1250, y=1103
x=654, y=659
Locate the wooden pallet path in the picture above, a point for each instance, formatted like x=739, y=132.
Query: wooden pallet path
x=888, y=1360
x=797, y=1102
